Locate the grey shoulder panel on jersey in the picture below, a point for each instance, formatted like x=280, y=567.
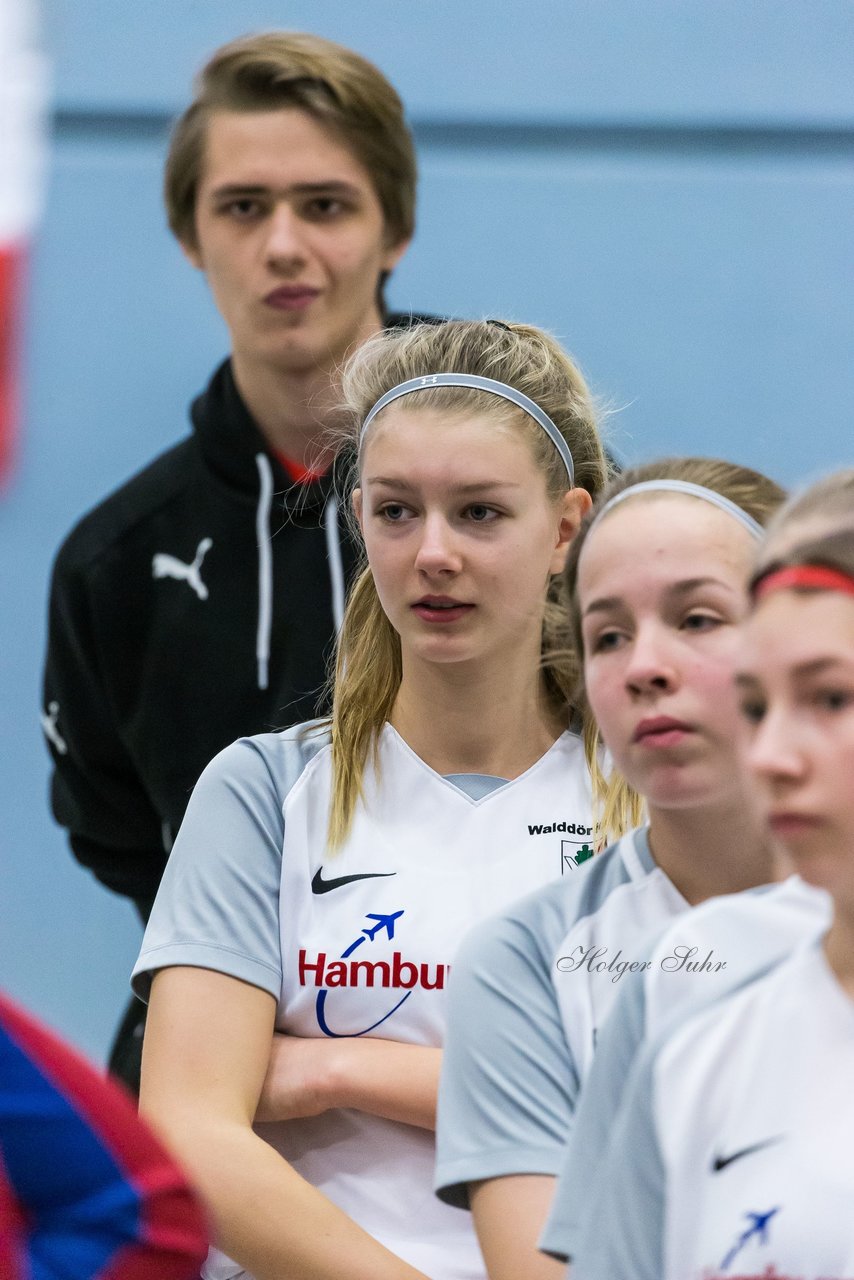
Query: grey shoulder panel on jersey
x=622, y=1222
x=218, y=903
x=619, y=1045
x=509, y=1082
x=622, y=1233
x=598, y=1107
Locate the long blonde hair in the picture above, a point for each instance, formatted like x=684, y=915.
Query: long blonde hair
x=368, y=665
x=617, y=807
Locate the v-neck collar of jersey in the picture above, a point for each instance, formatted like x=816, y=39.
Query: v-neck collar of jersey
x=402, y=745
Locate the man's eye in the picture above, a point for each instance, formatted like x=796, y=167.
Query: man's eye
x=322, y=207
x=242, y=209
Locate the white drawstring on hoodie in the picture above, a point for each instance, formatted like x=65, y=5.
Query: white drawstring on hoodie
x=333, y=555
x=265, y=569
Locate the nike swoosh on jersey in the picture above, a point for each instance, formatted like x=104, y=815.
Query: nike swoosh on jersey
x=721, y=1162
x=319, y=885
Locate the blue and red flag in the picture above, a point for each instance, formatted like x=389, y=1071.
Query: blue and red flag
x=87, y=1192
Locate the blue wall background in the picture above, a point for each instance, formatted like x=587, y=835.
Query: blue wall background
x=667, y=184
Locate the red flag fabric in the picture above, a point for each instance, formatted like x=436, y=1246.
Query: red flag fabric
x=10, y=315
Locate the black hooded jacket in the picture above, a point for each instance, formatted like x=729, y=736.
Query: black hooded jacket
x=195, y=605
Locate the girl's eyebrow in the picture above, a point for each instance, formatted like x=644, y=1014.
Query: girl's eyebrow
x=681, y=588
x=475, y=486
x=803, y=671
x=603, y=605
x=817, y=666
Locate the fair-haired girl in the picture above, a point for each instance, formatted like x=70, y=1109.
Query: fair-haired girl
x=658, y=581
x=735, y=1140
x=743, y=933
x=324, y=876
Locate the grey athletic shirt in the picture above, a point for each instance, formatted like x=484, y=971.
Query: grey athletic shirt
x=529, y=990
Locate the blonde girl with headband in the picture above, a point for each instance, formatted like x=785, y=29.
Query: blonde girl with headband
x=735, y=1143
x=744, y=933
x=324, y=876
x=741, y=935
x=658, y=586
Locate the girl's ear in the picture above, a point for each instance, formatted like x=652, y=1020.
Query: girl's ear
x=356, y=499
x=573, y=508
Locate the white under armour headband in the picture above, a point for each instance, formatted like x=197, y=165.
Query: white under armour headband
x=480, y=384
x=753, y=527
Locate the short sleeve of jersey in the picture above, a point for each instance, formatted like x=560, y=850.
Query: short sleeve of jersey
x=218, y=903
x=616, y=1050
x=622, y=1233
x=508, y=1084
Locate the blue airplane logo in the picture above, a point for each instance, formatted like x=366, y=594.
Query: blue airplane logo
x=383, y=922
x=758, y=1227
x=386, y=922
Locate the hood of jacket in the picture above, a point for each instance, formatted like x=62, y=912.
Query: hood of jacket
x=231, y=442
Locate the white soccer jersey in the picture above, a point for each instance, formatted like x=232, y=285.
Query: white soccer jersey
x=530, y=990
x=364, y=940
x=734, y=1155
x=705, y=954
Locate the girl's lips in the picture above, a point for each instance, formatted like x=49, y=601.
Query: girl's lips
x=291, y=297
x=792, y=824
x=661, y=731
x=440, y=610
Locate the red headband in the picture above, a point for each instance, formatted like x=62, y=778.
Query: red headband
x=811, y=577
